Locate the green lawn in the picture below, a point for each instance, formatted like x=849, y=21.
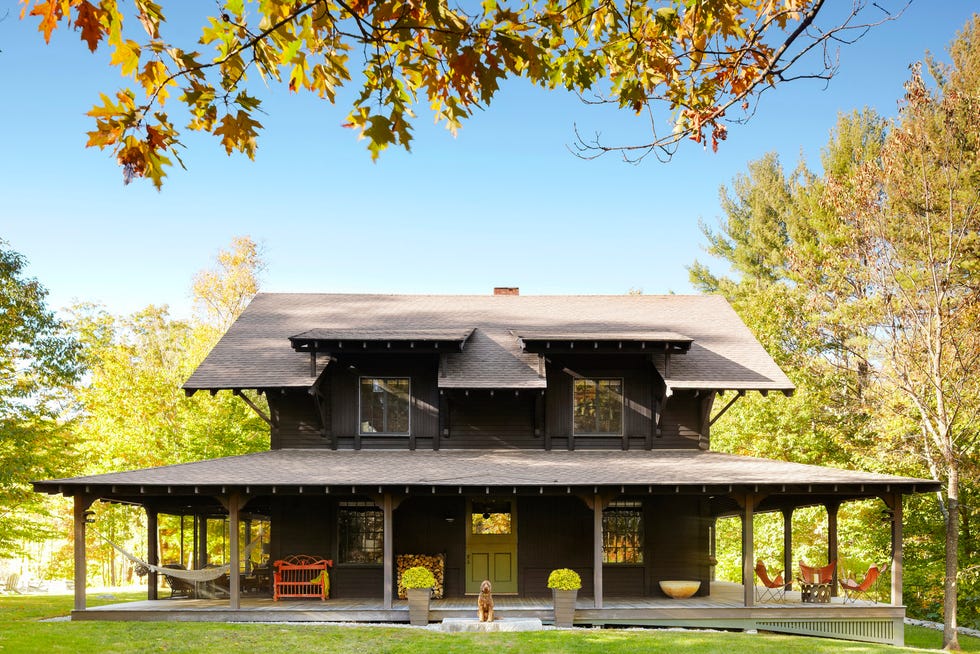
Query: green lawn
x=22, y=631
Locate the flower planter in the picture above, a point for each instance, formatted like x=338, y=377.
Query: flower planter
x=564, y=607
x=418, y=606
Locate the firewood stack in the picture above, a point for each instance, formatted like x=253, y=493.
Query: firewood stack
x=436, y=563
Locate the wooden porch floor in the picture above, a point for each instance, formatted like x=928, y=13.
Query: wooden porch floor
x=723, y=606
x=721, y=609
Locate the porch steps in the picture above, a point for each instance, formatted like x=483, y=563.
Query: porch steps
x=503, y=624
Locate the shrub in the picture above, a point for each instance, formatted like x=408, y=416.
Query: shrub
x=418, y=577
x=564, y=579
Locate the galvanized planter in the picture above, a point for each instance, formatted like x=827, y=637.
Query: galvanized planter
x=418, y=606
x=564, y=607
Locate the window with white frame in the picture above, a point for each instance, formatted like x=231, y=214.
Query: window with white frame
x=385, y=405
x=597, y=406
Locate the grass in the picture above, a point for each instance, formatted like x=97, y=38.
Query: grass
x=21, y=631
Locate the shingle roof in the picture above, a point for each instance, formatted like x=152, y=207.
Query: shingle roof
x=553, y=335
x=494, y=468
x=256, y=353
x=456, y=334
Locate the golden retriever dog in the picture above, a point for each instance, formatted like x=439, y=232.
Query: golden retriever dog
x=484, y=605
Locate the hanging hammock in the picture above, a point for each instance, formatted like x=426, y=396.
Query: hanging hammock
x=204, y=574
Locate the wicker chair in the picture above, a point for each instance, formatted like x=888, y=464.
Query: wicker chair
x=179, y=587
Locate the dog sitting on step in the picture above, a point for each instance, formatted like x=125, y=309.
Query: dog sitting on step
x=484, y=604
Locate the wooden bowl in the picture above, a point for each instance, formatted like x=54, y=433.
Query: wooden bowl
x=679, y=589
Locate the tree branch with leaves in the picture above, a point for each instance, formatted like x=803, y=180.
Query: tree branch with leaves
x=694, y=60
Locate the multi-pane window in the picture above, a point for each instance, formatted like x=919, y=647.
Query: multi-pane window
x=597, y=406
x=491, y=518
x=622, y=532
x=360, y=532
x=385, y=405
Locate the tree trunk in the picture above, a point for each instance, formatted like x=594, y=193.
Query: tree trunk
x=950, y=634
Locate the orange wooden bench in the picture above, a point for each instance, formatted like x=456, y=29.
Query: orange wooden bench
x=300, y=575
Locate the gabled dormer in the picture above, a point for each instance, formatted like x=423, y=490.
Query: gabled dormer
x=502, y=371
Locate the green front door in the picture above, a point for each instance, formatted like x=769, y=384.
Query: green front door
x=491, y=544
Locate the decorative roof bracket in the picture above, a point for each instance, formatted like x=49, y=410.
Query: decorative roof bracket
x=739, y=394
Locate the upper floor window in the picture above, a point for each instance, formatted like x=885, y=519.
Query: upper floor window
x=597, y=406
x=385, y=405
x=622, y=532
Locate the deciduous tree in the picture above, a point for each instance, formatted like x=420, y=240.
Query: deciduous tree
x=37, y=365
x=134, y=411
x=695, y=61
x=880, y=261
x=922, y=242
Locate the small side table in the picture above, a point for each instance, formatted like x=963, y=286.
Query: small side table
x=816, y=593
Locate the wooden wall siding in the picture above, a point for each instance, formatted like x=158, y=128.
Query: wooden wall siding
x=299, y=422
x=479, y=420
x=677, y=540
x=553, y=532
x=302, y=525
x=345, y=400
x=557, y=405
x=678, y=426
x=421, y=527
x=366, y=581
x=308, y=525
x=621, y=580
x=683, y=420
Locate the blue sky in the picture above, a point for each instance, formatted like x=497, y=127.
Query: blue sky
x=502, y=204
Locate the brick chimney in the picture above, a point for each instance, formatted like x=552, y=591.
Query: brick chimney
x=506, y=290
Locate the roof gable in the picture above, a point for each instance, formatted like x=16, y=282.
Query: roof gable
x=723, y=354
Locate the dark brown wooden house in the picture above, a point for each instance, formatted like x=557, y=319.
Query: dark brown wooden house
x=511, y=434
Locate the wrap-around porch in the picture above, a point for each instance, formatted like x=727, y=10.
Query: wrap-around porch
x=423, y=503
x=722, y=608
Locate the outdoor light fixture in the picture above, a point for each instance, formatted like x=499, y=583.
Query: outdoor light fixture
x=89, y=517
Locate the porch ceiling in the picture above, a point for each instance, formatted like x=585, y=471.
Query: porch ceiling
x=310, y=471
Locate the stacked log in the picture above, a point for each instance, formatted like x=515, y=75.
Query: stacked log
x=435, y=563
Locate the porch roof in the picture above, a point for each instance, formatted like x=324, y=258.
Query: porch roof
x=311, y=471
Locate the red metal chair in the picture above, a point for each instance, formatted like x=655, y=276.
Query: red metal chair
x=772, y=589
x=854, y=590
x=816, y=582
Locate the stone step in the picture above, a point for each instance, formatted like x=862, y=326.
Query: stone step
x=503, y=624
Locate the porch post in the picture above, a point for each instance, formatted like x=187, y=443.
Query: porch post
x=234, y=505
x=152, y=552
x=897, y=549
x=389, y=548
x=82, y=503
x=713, y=546
x=202, y=541
x=182, y=538
x=194, y=528
x=788, y=548
x=597, y=550
x=748, y=551
x=832, y=508
x=248, y=539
